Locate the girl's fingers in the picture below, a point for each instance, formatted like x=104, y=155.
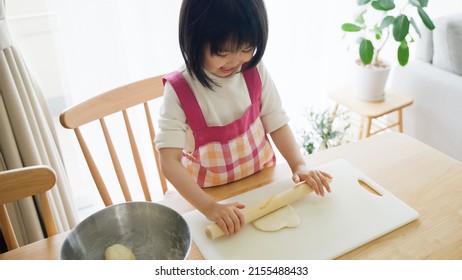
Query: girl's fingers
x=232, y=219
x=221, y=223
x=239, y=214
x=236, y=223
x=318, y=180
x=324, y=180
x=319, y=185
x=325, y=174
x=312, y=183
x=296, y=178
x=229, y=224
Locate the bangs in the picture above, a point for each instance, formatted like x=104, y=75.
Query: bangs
x=235, y=27
x=232, y=38
x=231, y=45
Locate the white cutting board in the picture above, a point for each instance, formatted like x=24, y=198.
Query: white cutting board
x=331, y=226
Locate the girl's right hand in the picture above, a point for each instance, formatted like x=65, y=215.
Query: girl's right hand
x=227, y=216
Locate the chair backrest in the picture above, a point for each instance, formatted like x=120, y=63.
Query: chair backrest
x=19, y=183
x=116, y=102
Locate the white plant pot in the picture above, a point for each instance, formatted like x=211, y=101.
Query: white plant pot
x=369, y=82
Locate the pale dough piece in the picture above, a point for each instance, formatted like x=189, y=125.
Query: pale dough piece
x=118, y=252
x=277, y=220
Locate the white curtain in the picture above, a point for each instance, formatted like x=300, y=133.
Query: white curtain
x=28, y=137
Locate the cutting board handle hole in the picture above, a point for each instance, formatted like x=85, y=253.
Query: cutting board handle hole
x=368, y=188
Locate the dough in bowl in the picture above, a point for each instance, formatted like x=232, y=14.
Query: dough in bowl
x=277, y=220
x=118, y=252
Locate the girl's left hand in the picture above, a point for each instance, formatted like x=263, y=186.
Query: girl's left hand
x=318, y=180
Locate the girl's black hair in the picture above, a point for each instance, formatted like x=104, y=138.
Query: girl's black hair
x=220, y=22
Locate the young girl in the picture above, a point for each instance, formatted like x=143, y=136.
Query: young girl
x=219, y=108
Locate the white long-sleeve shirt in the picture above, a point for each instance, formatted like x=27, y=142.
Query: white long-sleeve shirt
x=220, y=106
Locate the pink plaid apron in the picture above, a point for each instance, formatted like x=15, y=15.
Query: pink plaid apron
x=224, y=154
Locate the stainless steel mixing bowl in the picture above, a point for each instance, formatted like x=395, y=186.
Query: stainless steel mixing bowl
x=152, y=232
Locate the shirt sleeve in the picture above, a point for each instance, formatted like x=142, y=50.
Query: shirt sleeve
x=172, y=122
x=272, y=113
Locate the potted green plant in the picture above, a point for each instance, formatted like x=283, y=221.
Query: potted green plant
x=325, y=129
x=375, y=23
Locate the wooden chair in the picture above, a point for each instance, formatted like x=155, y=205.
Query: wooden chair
x=97, y=109
x=19, y=183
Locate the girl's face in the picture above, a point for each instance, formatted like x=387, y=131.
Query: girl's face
x=228, y=61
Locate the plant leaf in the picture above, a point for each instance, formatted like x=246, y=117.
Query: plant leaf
x=423, y=3
x=416, y=28
x=415, y=3
x=351, y=27
x=360, y=19
x=359, y=15
x=383, y=5
x=403, y=53
x=425, y=18
x=366, y=51
x=387, y=21
x=400, y=28
x=363, y=2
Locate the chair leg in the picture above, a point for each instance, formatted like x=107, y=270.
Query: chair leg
x=7, y=228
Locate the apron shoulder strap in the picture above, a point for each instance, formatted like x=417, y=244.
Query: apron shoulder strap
x=187, y=99
x=253, y=82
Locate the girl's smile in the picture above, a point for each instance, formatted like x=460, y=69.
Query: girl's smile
x=227, y=71
x=226, y=63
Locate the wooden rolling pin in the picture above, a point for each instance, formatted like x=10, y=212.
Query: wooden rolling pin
x=259, y=210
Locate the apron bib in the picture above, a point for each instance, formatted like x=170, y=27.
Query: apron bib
x=223, y=154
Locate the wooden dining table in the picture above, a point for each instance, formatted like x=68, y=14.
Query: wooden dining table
x=422, y=177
